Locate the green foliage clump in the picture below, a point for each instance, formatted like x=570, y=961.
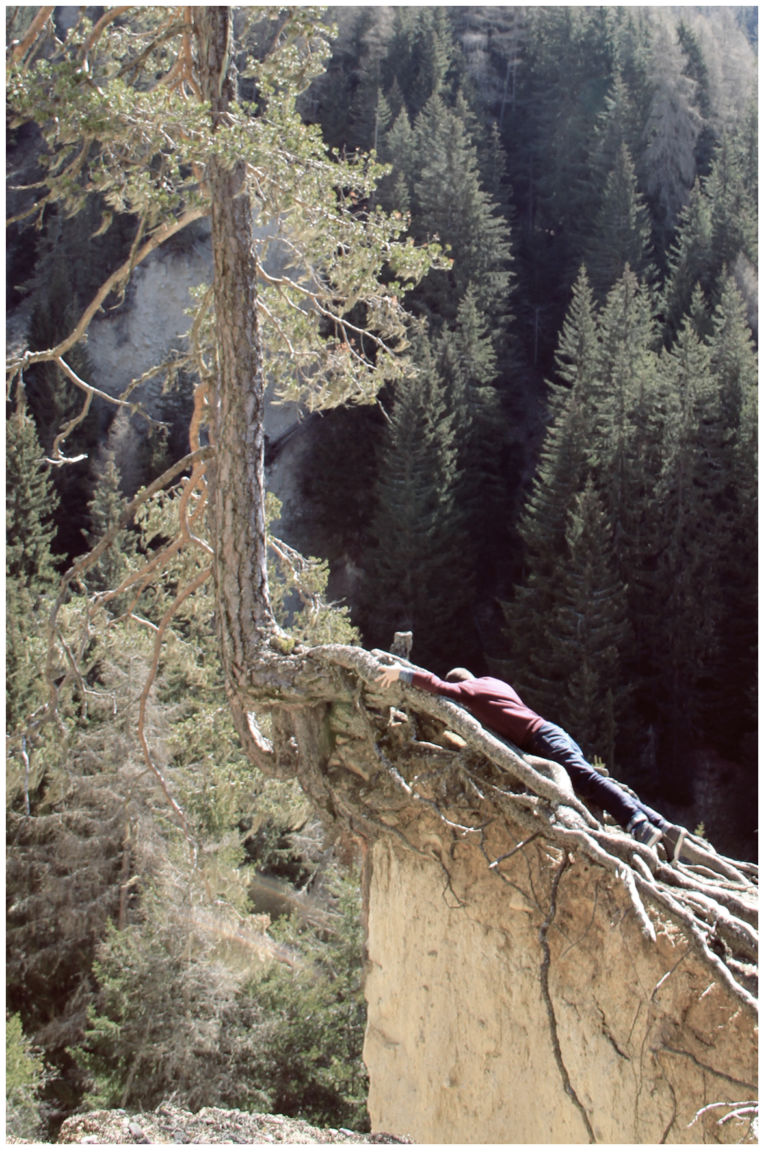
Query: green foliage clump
x=29, y=504
x=312, y=1020
x=25, y=1078
x=202, y=1006
x=169, y=951
x=418, y=563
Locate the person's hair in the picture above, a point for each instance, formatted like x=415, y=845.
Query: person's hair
x=459, y=674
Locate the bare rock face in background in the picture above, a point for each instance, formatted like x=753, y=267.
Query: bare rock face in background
x=153, y=321
x=523, y=1004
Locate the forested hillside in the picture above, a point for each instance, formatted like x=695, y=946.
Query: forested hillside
x=552, y=477
x=581, y=446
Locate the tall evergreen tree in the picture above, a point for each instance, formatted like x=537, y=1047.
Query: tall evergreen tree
x=561, y=472
x=625, y=448
x=105, y=508
x=420, y=564
x=732, y=189
x=696, y=68
x=604, y=432
x=627, y=458
x=689, y=259
x=577, y=352
x=422, y=58
x=433, y=56
x=592, y=629
x=449, y=201
x=668, y=163
x=622, y=229
x=718, y=228
x=30, y=503
x=467, y=363
x=689, y=489
x=616, y=127
x=571, y=53
x=569, y=64
x=734, y=368
x=399, y=149
x=53, y=401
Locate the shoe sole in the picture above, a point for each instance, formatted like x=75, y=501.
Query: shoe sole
x=673, y=839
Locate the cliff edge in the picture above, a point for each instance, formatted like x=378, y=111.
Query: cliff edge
x=533, y=974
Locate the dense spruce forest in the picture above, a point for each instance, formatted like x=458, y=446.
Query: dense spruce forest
x=562, y=491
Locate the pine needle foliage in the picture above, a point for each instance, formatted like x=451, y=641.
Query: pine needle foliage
x=29, y=504
x=25, y=1077
x=278, y=1029
x=137, y=932
x=418, y=569
x=592, y=630
x=645, y=438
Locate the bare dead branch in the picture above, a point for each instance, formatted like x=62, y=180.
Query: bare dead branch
x=182, y=75
x=96, y=32
x=22, y=49
x=56, y=457
x=162, y=233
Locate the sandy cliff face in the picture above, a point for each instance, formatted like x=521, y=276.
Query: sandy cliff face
x=531, y=1009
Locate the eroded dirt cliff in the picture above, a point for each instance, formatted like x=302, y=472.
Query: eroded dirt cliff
x=524, y=1003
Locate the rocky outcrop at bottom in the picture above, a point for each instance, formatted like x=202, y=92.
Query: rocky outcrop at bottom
x=171, y=1125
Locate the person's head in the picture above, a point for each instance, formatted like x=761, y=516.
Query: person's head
x=456, y=674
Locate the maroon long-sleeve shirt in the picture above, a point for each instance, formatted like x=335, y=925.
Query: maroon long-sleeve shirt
x=495, y=704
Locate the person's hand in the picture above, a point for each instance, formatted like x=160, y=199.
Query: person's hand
x=387, y=676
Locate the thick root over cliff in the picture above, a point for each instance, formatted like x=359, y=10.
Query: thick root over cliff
x=369, y=757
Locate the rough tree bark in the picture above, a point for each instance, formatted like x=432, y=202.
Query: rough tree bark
x=252, y=648
x=236, y=394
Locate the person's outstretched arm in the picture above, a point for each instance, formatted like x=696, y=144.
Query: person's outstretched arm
x=387, y=676
x=424, y=680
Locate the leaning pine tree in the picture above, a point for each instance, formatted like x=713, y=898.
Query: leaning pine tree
x=143, y=106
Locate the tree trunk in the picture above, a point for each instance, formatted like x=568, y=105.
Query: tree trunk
x=258, y=669
x=236, y=393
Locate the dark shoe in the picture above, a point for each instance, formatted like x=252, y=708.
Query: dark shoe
x=646, y=833
x=673, y=839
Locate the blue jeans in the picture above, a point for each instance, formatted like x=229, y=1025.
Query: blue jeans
x=553, y=743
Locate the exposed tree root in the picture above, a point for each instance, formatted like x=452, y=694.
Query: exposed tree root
x=406, y=749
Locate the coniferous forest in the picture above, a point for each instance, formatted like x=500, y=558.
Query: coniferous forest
x=561, y=491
